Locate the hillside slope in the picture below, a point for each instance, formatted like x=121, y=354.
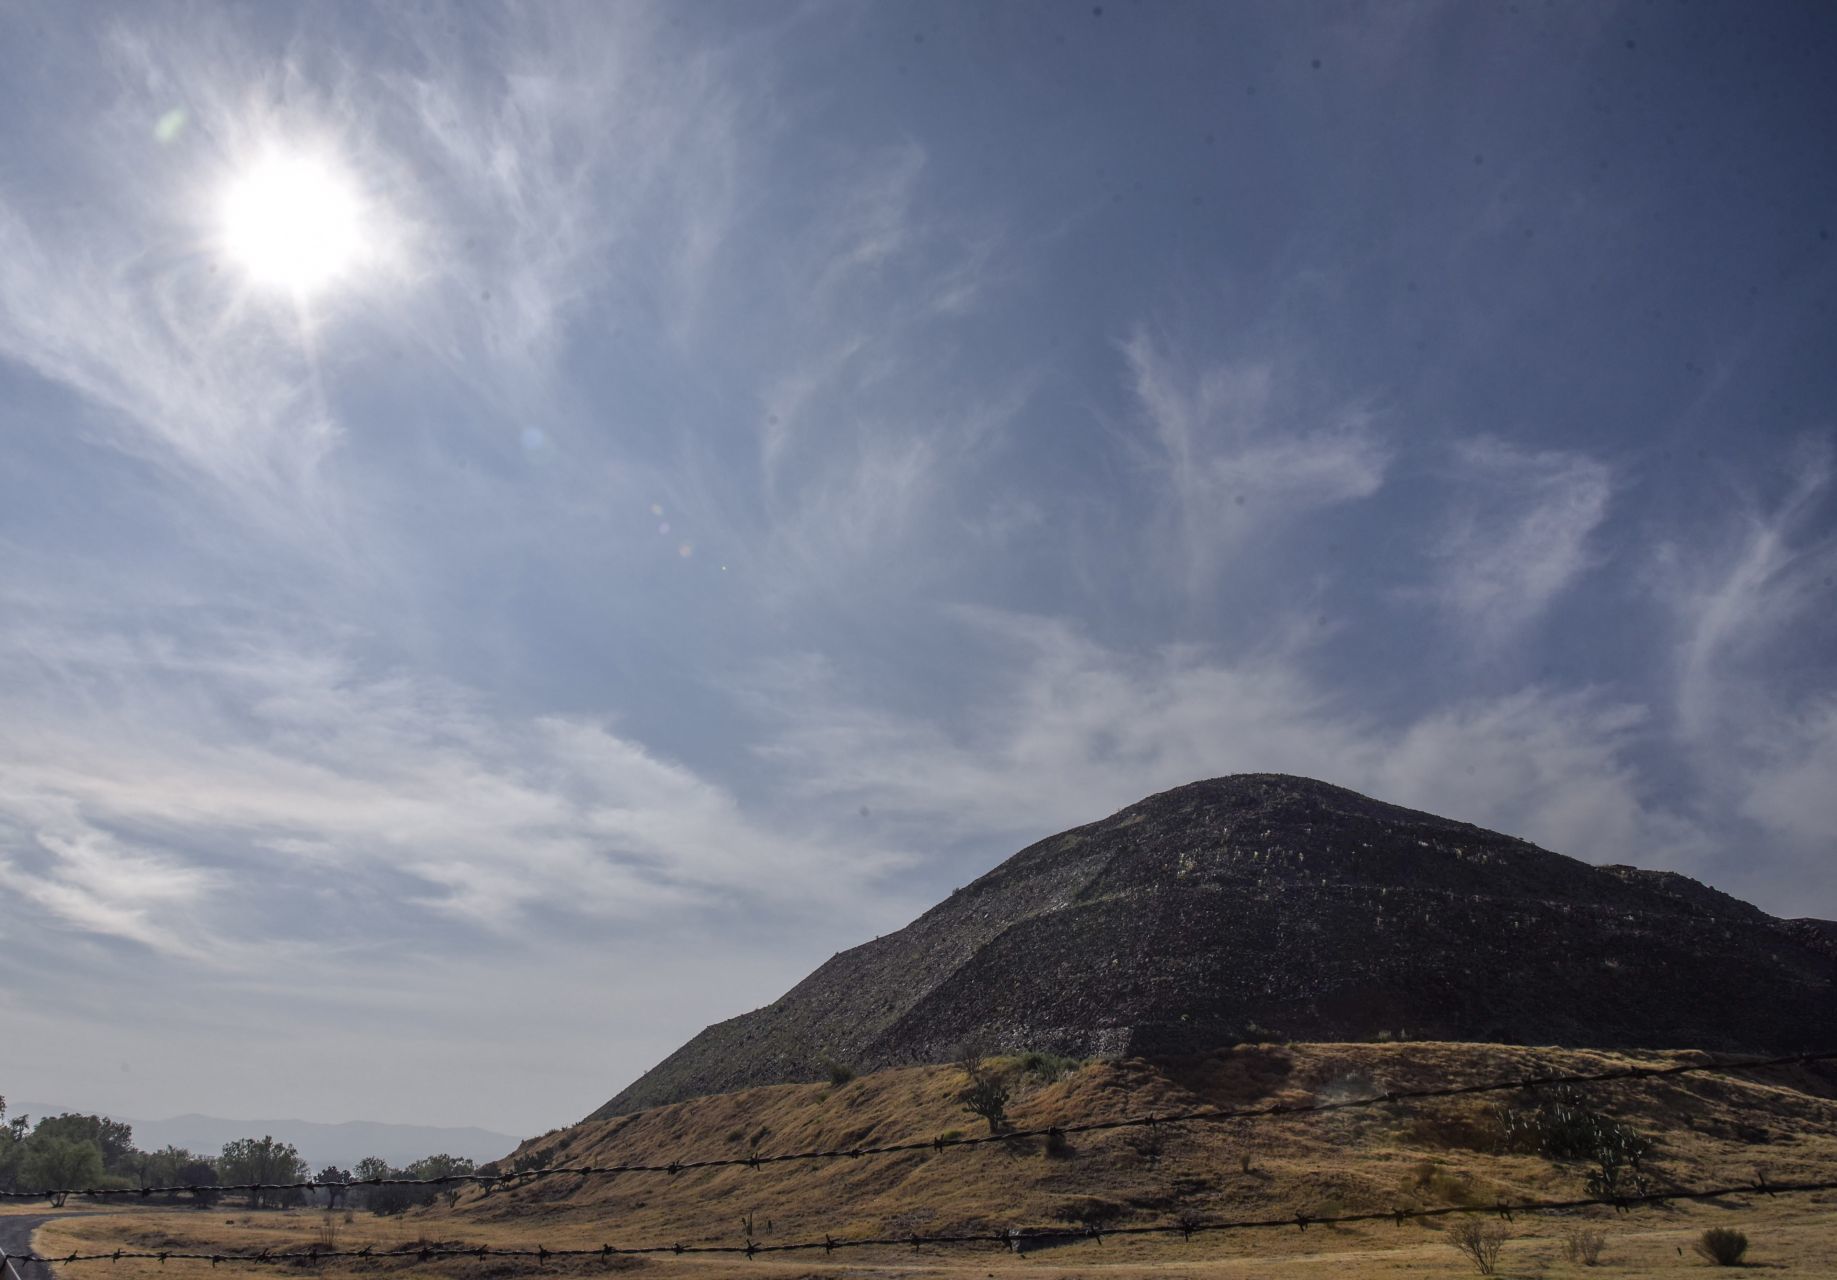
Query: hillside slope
x=1415, y=1155
x=1261, y=905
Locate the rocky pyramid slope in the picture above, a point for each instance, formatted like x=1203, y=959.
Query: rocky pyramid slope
x=1262, y=906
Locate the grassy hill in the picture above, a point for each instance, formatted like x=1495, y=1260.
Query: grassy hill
x=1702, y=1129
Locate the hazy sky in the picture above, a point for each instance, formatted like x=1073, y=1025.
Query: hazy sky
x=679, y=489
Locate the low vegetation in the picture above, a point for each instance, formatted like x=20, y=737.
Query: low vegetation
x=1723, y=1246
x=1353, y=1161
x=1569, y=1125
x=1583, y=1243
x=1479, y=1241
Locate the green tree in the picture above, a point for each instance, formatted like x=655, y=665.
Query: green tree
x=199, y=1173
x=374, y=1197
x=333, y=1178
x=113, y=1138
x=12, y=1148
x=259, y=1160
x=441, y=1166
x=60, y=1165
x=987, y=1095
x=168, y=1167
x=371, y=1167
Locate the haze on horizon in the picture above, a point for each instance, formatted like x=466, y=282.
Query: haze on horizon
x=523, y=530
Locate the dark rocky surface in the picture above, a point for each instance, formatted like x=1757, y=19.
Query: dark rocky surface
x=1262, y=906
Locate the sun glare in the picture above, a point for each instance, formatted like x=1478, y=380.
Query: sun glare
x=293, y=222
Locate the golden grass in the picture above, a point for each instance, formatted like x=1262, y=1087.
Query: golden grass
x=1707, y=1129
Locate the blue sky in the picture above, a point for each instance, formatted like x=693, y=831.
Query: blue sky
x=763, y=464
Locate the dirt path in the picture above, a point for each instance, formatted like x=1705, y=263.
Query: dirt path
x=16, y=1237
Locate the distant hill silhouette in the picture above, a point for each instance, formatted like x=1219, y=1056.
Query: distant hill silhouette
x=1262, y=906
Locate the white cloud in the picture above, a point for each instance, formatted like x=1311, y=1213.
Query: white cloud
x=154, y=777
x=1736, y=602
x=583, y=153
x=1518, y=535
x=1753, y=702
x=1237, y=461
x=96, y=883
x=1083, y=731
x=1791, y=791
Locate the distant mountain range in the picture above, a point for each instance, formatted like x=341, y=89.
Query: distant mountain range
x=318, y=1144
x=1262, y=907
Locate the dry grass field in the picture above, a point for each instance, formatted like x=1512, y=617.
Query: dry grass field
x=1704, y=1129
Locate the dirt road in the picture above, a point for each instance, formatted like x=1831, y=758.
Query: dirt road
x=16, y=1237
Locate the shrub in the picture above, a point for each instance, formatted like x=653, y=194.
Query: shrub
x=987, y=1096
x=1479, y=1241
x=1723, y=1246
x=969, y=1058
x=1583, y=1243
x=1433, y=1181
x=1048, y=1066
x=1563, y=1126
x=840, y=1073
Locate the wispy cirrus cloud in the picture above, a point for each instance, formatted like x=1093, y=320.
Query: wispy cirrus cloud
x=1750, y=635
x=1738, y=590
x=1240, y=457
x=1518, y=534
x=1081, y=730
x=162, y=772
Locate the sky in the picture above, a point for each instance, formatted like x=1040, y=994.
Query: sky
x=652, y=496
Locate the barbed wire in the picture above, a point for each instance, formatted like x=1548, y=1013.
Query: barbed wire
x=942, y=1142
x=1015, y=1238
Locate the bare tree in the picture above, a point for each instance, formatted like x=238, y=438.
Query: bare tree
x=1583, y=1243
x=1480, y=1241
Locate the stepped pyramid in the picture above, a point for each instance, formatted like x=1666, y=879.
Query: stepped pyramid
x=1262, y=906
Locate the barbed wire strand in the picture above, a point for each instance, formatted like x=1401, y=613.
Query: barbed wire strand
x=1195, y=1115
x=1015, y=1238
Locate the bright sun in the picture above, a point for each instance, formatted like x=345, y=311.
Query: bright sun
x=294, y=222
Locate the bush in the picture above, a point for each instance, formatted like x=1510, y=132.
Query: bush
x=1563, y=1126
x=839, y=1073
x=987, y=1096
x=1433, y=1181
x=1479, y=1241
x=1048, y=1066
x=1583, y=1243
x=1723, y=1246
